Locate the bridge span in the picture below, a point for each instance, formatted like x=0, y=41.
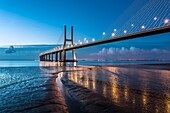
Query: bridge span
x=60, y=54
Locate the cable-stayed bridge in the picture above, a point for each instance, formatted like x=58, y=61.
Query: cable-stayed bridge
x=151, y=19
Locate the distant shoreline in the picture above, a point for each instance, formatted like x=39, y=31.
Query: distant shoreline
x=82, y=60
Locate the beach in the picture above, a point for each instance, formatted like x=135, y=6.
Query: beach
x=86, y=89
x=28, y=89
x=126, y=88
x=85, y=56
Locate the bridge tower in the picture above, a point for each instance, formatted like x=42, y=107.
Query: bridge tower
x=64, y=59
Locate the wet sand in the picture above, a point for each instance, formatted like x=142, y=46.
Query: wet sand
x=29, y=90
x=120, y=89
x=86, y=89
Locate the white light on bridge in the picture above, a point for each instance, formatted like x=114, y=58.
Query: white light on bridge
x=143, y=27
x=115, y=30
x=113, y=34
x=93, y=40
x=85, y=39
x=166, y=21
x=132, y=25
x=80, y=43
x=75, y=44
x=155, y=18
x=104, y=33
x=125, y=31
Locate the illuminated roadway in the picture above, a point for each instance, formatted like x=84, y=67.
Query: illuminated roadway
x=154, y=31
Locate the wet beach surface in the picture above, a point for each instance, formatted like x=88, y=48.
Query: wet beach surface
x=108, y=89
x=86, y=89
x=29, y=90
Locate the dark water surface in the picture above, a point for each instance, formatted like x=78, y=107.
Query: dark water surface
x=134, y=89
x=95, y=89
x=29, y=90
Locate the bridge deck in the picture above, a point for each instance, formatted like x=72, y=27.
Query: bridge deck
x=154, y=31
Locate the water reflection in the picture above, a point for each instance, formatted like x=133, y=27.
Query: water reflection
x=141, y=90
x=46, y=64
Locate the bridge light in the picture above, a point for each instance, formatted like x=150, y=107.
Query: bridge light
x=143, y=27
x=113, y=34
x=132, y=25
x=155, y=18
x=80, y=43
x=166, y=21
x=104, y=33
x=93, y=40
x=125, y=31
x=115, y=30
x=85, y=39
x=75, y=44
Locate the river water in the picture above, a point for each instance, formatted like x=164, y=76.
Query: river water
x=31, y=87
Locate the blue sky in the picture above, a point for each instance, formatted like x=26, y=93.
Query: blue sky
x=42, y=21
x=24, y=22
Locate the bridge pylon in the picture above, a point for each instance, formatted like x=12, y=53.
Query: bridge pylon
x=64, y=58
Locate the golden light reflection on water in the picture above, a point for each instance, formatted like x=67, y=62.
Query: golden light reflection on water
x=120, y=89
x=93, y=80
x=60, y=74
x=133, y=100
x=46, y=64
x=126, y=93
x=168, y=105
x=104, y=90
x=117, y=92
x=144, y=98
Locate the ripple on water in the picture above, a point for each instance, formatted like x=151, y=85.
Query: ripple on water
x=29, y=89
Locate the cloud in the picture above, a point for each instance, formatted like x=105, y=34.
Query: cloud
x=125, y=51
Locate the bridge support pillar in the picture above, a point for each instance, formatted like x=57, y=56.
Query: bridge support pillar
x=45, y=57
x=64, y=60
x=60, y=56
x=56, y=57
x=49, y=57
x=40, y=58
x=52, y=57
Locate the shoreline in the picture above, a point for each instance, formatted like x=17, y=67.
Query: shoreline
x=28, y=89
x=88, y=89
